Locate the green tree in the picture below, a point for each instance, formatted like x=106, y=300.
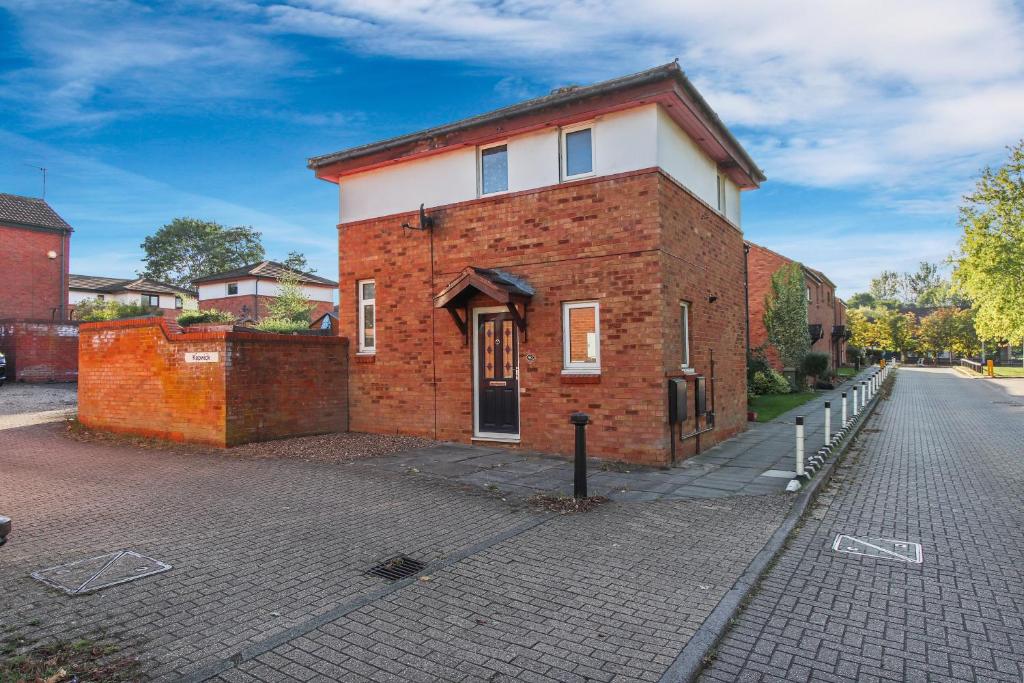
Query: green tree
x=296, y=260
x=188, y=248
x=785, y=315
x=898, y=332
x=990, y=263
x=924, y=287
x=290, y=303
x=861, y=299
x=888, y=286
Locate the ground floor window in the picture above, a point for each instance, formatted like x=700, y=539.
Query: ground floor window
x=581, y=336
x=367, y=313
x=151, y=300
x=684, y=332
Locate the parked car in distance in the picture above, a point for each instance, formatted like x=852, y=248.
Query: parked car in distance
x=3, y=369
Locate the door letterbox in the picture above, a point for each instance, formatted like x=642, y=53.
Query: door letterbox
x=676, y=400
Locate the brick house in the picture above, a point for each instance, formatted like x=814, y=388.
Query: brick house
x=248, y=290
x=169, y=299
x=826, y=313
x=573, y=252
x=34, y=267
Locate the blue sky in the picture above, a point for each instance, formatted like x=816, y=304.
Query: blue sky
x=870, y=118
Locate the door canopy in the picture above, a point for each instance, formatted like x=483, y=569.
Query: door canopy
x=505, y=288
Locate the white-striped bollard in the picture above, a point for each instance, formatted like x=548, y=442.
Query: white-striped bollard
x=863, y=394
x=799, y=445
x=855, y=408
x=844, y=409
x=828, y=422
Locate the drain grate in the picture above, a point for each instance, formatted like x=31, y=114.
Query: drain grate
x=397, y=568
x=102, y=571
x=881, y=548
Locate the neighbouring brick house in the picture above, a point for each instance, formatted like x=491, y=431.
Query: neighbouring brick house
x=36, y=244
x=575, y=252
x=39, y=343
x=168, y=299
x=248, y=290
x=826, y=313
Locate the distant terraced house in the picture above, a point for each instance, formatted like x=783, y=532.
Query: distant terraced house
x=170, y=299
x=247, y=291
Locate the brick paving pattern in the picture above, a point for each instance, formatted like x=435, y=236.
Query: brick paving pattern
x=269, y=557
x=940, y=464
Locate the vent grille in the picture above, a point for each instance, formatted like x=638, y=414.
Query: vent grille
x=397, y=568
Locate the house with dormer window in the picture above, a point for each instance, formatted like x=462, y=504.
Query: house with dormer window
x=581, y=251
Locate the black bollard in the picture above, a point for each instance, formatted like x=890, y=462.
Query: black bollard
x=579, y=479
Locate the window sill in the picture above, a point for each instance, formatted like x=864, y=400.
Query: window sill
x=366, y=357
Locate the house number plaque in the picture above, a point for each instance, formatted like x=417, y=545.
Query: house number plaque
x=202, y=357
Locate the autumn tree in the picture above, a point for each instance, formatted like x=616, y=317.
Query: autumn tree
x=948, y=329
x=990, y=263
x=785, y=315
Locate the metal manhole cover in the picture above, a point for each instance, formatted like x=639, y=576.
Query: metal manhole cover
x=881, y=548
x=102, y=571
x=397, y=568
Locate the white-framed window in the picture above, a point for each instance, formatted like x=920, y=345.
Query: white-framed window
x=808, y=295
x=232, y=288
x=493, y=169
x=179, y=302
x=367, y=312
x=721, y=194
x=577, y=151
x=581, y=337
x=100, y=297
x=684, y=333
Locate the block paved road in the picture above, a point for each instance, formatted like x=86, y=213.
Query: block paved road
x=269, y=557
x=941, y=463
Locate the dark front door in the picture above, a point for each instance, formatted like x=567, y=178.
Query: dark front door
x=497, y=374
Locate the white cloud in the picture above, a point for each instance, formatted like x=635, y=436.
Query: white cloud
x=916, y=93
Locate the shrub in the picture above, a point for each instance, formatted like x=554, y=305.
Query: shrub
x=756, y=362
x=93, y=310
x=815, y=364
x=210, y=315
x=281, y=325
x=769, y=382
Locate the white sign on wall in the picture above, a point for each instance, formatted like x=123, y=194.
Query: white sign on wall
x=202, y=357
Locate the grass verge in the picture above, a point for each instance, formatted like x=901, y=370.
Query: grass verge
x=63, y=661
x=770, y=406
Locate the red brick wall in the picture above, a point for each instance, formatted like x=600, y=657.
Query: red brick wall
x=761, y=265
x=30, y=280
x=261, y=302
x=134, y=379
x=601, y=240
x=40, y=350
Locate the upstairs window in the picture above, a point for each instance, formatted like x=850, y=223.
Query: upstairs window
x=232, y=288
x=809, y=295
x=721, y=194
x=494, y=169
x=581, y=337
x=367, y=313
x=578, y=152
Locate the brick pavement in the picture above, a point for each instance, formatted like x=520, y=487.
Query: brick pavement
x=945, y=469
x=269, y=556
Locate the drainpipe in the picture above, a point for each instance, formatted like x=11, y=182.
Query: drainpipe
x=746, y=292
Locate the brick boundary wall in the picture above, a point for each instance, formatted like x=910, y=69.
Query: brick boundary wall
x=40, y=350
x=134, y=379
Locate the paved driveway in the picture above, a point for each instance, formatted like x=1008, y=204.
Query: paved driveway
x=269, y=557
x=941, y=464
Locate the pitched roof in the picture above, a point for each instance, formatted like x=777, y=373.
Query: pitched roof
x=561, y=97
x=267, y=269
x=109, y=285
x=30, y=212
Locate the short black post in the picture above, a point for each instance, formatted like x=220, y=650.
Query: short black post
x=579, y=479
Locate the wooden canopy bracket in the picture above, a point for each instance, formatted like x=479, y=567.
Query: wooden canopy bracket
x=462, y=324
x=519, y=318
